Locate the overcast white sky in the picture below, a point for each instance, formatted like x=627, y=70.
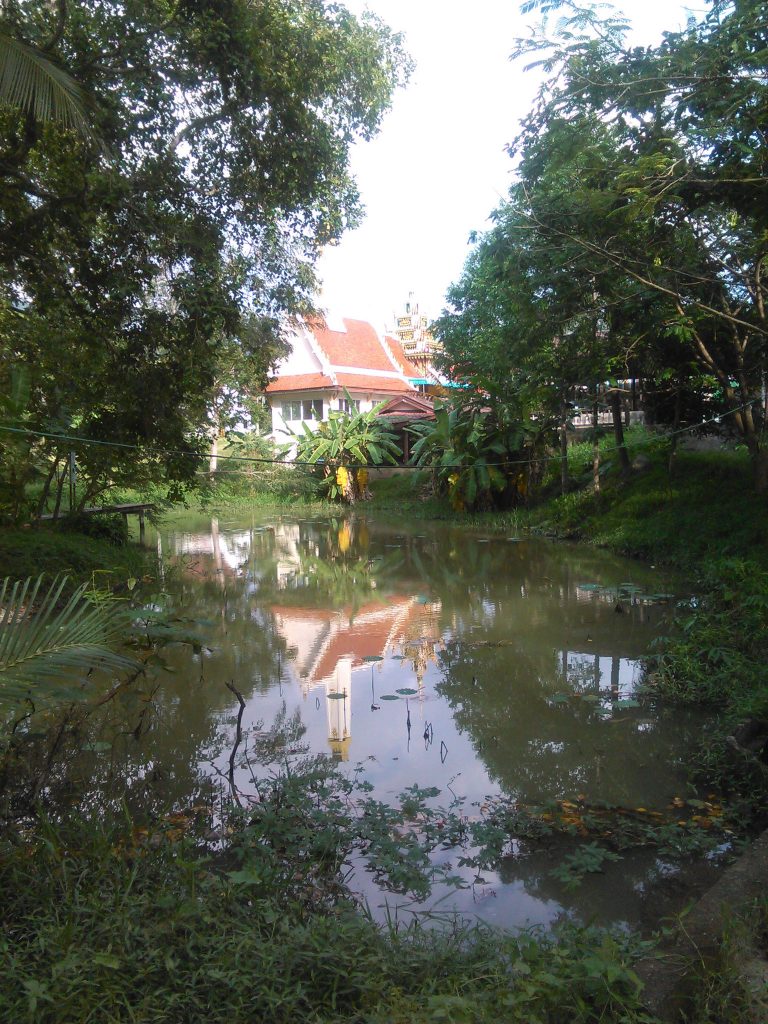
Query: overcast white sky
x=438, y=167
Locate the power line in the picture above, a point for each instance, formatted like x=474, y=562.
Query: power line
x=649, y=442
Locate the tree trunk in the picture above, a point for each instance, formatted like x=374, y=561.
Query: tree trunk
x=595, y=449
x=675, y=432
x=213, y=460
x=60, y=480
x=618, y=433
x=564, y=478
x=47, y=487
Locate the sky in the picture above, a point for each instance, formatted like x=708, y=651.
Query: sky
x=438, y=167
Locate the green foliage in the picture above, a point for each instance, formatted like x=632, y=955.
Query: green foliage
x=146, y=279
x=480, y=460
x=342, y=446
x=633, y=241
x=717, y=652
x=46, y=642
x=99, y=919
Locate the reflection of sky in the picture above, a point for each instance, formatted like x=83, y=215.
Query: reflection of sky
x=453, y=610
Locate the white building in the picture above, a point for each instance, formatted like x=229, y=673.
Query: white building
x=347, y=367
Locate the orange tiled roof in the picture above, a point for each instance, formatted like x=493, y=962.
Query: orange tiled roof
x=369, y=382
x=359, y=345
x=401, y=358
x=300, y=382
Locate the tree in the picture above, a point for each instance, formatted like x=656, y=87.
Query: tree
x=128, y=267
x=682, y=197
x=343, y=447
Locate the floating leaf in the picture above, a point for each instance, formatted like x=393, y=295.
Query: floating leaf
x=389, y=696
x=629, y=702
x=591, y=698
x=407, y=690
x=589, y=586
x=372, y=657
x=560, y=698
x=336, y=696
x=422, y=599
x=399, y=657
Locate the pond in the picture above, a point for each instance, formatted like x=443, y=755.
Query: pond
x=419, y=653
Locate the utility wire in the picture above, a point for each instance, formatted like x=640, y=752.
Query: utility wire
x=362, y=465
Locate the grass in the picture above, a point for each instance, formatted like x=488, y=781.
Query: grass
x=28, y=552
x=708, y=510
x=734, y=990
x=100, y=928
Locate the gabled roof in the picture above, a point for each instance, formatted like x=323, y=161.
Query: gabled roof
x=354, y=357
x=300, y=382
x=358, y=345
x=401, y=358
x=412, y=406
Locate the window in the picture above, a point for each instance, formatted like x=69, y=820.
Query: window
x=349, y=405
x=312, y=409
x=291, y=411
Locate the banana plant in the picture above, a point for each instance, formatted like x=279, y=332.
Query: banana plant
x=343, y=446
x=45, y=640
x=480, y=461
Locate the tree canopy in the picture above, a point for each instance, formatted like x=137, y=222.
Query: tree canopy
x=634, y=238
x=213, y=171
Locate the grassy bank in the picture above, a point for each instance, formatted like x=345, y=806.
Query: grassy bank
x=101, y=554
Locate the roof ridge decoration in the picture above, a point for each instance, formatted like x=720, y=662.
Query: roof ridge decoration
x=325, y=365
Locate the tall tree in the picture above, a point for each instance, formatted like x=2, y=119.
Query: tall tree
x=221, y=170
x=683, y=196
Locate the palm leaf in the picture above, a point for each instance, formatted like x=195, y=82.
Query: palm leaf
x=33, y=83
x=41, y=641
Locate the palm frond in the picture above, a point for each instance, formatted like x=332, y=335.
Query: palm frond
x=43, y=643
x=31, y=82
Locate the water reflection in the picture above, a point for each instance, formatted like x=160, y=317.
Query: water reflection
x=429, y=654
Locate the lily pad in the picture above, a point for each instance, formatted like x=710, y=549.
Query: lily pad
x=560, y=698
x=399, y=657
x=589, y=586
x=591, y=698
x=389, y=696
x=422, y=599
x=629, y=702
x=336, y=696
x=407, y=690
x=373, y=657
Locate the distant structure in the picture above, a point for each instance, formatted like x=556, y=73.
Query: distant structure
x=411, y=329
x=345, y=367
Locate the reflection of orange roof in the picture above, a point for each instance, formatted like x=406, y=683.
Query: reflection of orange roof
x=300, y=382
x=401, y=358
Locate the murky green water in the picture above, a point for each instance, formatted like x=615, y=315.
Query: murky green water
x=428, y=654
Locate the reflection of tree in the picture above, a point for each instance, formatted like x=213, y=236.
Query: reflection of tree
x=626, y=891
x=502, y=697
x=510, y=610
